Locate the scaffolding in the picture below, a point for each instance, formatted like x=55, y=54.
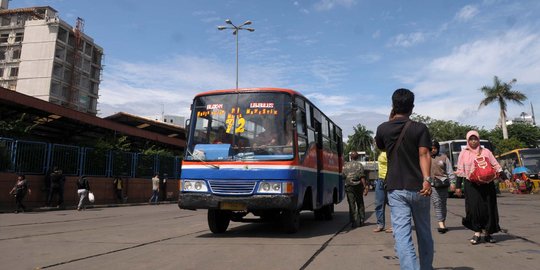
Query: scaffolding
x=76, y=65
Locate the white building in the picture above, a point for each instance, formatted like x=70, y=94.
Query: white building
x=524, y=118
x=44, y=57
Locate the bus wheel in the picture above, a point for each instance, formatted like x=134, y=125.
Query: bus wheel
x=218, y=220
x=328, y=212
x=290, y=220
x=319, y=214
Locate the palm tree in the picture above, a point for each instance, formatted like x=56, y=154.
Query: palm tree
x=501, y=92
x=360, y=140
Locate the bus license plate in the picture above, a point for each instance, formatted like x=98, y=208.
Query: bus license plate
x=232, y=206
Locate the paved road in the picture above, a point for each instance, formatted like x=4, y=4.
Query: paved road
x=164, y=237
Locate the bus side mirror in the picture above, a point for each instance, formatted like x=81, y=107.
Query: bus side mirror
x=188, y=121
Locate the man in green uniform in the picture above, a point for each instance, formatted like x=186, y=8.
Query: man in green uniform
x=355, y=188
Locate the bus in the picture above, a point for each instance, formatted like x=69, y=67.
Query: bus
x=452, y=148
x=525, y=157
x=231, y=172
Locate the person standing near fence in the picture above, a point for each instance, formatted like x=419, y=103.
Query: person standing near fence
x=58, y=180
x=19, y=191
x=118, y=184
x=83, y=187
x=155, y=189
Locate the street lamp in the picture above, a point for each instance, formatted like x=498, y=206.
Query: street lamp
x=236, y=30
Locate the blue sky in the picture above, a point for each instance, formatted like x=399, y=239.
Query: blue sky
x=347, y=56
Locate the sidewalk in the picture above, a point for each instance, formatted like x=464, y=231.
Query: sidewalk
x=7, y=209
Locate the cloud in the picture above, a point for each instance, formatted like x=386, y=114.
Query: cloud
x=466, y=13
x=447, y=87
x=327, y=100
x=369, y=58
x=407, y=40
x=324, y=5
x=141, y=88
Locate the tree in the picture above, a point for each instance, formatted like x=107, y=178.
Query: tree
x=360, y=140
x=501, y=93
x=442, y=130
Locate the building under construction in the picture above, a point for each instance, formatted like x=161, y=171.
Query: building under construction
x=44, y=57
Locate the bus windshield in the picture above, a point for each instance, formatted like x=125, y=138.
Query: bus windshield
x=531, y=159
x=241, y=126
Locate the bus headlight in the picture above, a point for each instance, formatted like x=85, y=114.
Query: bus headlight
x=275, y=187
x=194, y=185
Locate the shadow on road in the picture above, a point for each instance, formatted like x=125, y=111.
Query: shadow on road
x=309, y=227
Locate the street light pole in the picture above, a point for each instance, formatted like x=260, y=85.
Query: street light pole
x=236, y=32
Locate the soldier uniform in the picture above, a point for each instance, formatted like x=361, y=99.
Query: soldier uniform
x=353, y=172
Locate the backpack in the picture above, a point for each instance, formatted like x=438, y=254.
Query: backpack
x=482, y=171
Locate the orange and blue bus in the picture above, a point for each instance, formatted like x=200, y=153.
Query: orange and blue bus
x=525, y=157
x=229, y=172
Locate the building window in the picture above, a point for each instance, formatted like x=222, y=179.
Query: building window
x=1, y=72
x=19, y=37
x=65, y=92
x=4, y=38
x=6, y=21
x=2, y=54
x=62, y=34
x=57, y=70
x=16, y=54
x=88, y=49
x=56, y=89
x=60, y=53
x=14, y=72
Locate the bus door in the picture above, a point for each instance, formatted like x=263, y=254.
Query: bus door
x=320, y=178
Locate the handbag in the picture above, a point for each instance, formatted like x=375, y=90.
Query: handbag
x=91, y=196
x=438, y=183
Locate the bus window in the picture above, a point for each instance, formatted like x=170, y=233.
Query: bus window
x=531, y=160
x=254, y=124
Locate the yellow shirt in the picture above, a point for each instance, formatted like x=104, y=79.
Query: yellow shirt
x=383, y=165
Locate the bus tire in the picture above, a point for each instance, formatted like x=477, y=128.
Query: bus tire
x=218, y=220
x=319, y=214
x=328, y=212
x=290, y=220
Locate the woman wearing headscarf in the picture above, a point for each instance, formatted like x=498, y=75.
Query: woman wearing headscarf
x=481, y=213
x=442, y=172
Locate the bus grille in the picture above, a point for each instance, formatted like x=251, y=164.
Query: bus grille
x=232, y=187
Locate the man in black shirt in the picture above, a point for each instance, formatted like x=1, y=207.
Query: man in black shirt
x=408, y=181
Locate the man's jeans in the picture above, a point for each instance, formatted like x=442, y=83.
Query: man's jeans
x=407, y=206
x=380, y=196
x=155, y=196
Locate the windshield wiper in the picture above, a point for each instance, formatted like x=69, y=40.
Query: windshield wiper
x=203, y=161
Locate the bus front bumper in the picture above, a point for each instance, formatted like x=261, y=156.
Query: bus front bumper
x=195, y=201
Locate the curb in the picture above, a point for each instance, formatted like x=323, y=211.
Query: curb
x=89, y=206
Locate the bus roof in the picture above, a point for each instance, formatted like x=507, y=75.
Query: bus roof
x=249, y=90
x=517, y=150
x=462, y=140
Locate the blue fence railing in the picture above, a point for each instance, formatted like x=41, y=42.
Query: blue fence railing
x=30, y=157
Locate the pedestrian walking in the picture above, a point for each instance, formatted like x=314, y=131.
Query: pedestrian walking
x=58, y=181
x=381, y=198
x=19, y=191
x=83, y=187
x=118, y=185
x=355, y=188
x=155, y=189
x=442, y=173
x=481, y=213
x=407, y=144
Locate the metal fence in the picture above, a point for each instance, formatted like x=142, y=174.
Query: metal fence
x=31, y=157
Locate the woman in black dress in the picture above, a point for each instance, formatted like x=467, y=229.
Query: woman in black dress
x=482, y=215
